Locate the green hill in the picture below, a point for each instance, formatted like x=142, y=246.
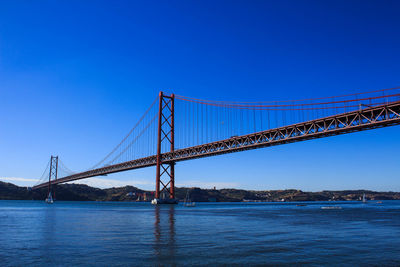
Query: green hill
x=80, y=192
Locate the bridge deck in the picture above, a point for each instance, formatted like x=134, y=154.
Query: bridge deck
x=354, y=121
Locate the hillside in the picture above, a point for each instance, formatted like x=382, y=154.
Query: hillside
x=80, y=192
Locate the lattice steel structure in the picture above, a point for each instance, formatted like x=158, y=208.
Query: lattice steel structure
x=354, y=121
x=52, y=175
x=165, y=135
x=359, y=113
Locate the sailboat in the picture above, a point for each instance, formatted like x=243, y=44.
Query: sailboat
x=49, y=199
x=188, y=202
x=364, y=200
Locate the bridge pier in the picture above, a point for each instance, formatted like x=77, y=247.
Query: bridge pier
x=165, y=135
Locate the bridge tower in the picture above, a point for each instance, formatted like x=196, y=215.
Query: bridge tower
x=52, y=176
x=165, y=170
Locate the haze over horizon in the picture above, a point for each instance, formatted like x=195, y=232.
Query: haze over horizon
x=76, y=86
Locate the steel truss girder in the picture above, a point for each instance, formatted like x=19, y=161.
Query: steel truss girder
x=354, y=121
x=370, y=118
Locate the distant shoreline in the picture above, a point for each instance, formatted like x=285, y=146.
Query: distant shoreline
x=81, y=192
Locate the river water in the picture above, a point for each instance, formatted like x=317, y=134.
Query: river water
x=33, y=233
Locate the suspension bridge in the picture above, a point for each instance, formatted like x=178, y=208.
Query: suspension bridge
x=176, y=128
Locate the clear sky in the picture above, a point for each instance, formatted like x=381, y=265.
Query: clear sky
x=76, y=75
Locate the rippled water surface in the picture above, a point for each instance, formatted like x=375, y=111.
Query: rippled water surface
x=33, y=233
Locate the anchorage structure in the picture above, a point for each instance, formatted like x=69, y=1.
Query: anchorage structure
x=208, y=128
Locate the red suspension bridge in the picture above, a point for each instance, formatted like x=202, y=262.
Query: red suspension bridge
x=176, y=128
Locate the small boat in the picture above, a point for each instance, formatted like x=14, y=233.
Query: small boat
x=157, y=201
x=188, y=202
x=49, y=199
x=301, y=205
x=331, y=208
x=364, y=200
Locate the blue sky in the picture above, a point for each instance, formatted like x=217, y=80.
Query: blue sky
x=76, y=75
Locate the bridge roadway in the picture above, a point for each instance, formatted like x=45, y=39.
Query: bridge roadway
x=354, y=121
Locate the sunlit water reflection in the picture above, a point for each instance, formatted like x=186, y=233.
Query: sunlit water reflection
x=139, y=234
